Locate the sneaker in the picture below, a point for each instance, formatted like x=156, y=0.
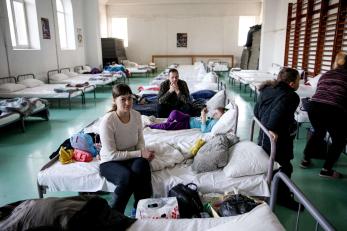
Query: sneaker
x=305, y=163
x=330, y=174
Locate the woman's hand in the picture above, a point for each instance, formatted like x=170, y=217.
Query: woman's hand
x=147, y=154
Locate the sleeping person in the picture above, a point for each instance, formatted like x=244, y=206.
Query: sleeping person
x=178, y=120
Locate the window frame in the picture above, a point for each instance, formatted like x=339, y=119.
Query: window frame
x=66, y=14
x=18, y=46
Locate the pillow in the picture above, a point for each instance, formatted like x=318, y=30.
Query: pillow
x=214, y=154
x=210, y=77
x=71, y=74
x=11, y=87
x=218, y=100
x=246, y=158
x=87, y=68
x=196, y=147
x=259, y=218
x=31, y=82
x=314, y=81
x=226, y=123
x=58, y=77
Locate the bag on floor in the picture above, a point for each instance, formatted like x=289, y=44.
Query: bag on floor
x=156, y=208
x=189, y=203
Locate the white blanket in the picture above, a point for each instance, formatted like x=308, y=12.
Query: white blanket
x=165, y=155
x=260, y=218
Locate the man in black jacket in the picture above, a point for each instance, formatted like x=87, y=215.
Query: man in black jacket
x=173, y=95
x=275, y=109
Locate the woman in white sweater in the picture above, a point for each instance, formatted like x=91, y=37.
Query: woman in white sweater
x=124, y=158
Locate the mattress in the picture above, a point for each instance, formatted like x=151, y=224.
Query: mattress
x=82, y=177
x=260, y=218
x=6, y=118
x=135, y=70
x=44, y=91
x=75, y=177
x=86, y=78
x=214, y=181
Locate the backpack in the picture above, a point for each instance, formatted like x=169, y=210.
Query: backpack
x=84, y=142
x=189, y=203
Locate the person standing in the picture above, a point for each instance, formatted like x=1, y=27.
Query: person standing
x=327, y=112
x=275, y=109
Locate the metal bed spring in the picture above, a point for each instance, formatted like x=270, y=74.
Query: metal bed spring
x=321, y=221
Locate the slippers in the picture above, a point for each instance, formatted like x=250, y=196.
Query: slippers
x=330, y=174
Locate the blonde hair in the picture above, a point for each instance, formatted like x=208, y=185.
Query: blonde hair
x=340, y=60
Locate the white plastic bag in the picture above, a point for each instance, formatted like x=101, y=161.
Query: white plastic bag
x=155, y=208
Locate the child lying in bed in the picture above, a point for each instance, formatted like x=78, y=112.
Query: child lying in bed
x=178, y=120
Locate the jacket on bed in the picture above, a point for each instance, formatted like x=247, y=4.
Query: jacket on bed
x=275, y=109
x=70, y=213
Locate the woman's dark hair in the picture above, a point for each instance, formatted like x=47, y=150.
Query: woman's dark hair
x=341, y=60
x=286, y=75
x=118, y=90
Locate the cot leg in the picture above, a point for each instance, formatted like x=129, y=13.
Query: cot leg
x=22, y=125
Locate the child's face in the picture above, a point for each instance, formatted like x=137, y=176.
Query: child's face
x=217, y=114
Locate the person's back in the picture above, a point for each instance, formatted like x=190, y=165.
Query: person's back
x=332, y=89
x=275, y=109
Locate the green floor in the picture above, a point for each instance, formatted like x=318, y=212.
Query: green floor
x=23, y=154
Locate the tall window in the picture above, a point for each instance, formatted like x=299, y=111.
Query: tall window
x=22, y=19
x=244, y=23
x=65, y=24
x=120, y=29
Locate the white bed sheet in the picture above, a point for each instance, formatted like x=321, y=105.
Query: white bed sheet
x=260, y=218
x=44, y=91
x=86, y=78
x=215, y=181
x=6, y=118
x=136, y=70
x=75, y=177
x=85, y=177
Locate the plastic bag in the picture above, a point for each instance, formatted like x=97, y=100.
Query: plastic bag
x=155, y=208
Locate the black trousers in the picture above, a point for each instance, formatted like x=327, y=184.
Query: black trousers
x=284, y=154
x=326, y=118
x=163, y=110
x=129, y=176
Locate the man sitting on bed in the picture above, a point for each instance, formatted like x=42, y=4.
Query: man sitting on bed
x=178, y=120
x=173, y=95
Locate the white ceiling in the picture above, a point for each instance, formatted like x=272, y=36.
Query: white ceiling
x=151, y=2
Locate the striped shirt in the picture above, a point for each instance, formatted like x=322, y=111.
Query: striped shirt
x=332, y=89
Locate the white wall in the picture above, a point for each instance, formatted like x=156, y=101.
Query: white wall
x=273, y=34
x=49, y=56
x=211, y=28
